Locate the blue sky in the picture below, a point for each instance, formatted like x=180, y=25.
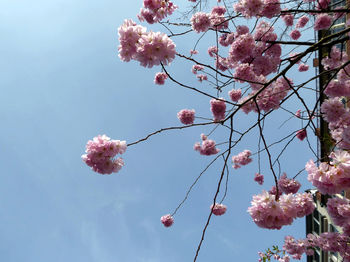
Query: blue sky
x=62, y=84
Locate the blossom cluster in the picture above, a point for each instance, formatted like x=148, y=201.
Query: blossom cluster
x=268, y=212
x=267, y=8
x=269, y=98
x=218, y=209
x=201, y=21
x=328, y=241
x=218, y=108
x=339, y=210
x=154, y=11
x=186, y=116
x=167, y=220
x=331, y=178
x=242, y=159
x=148, y=48
x=101, y=152
x=207, y=148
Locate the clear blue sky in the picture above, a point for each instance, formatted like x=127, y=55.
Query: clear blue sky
x=62, y=83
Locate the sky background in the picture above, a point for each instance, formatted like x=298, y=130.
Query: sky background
x=62, y=83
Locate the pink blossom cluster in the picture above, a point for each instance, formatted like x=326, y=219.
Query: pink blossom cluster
x=295, y=34
x=288, y=19
x=336, y=88
x=202, y=77
x=186, y=116
x=154, y=11
x=259, y=178
x=196, y=68
x=302, y=21
x=251, y=56
x=200, y=22
x=235, y=94
x=160, y=78
x=242, y=47
x=303, y=67
x=339, y=210
x=338, y=117
x=218, y=209
x=212, y=51
x=335, y=59
x=167, y=220
x=269, y=213
x=323, y=4
x=323, y=21
x=148, y=48
x=297, y=248
x=242, y=159
x=331, y=178
x=276, y=254
x=269, y=98
x=266, y=8
x=333, y=109
x=328, y=241
x=287, y=185
x=227, y=39
x=207, y=148
x=217, y=18
x=301, y=134
x=101, y=152
x=218, y=108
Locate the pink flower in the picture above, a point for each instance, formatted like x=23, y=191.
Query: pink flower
x=159, y=79
x=196, y=68
x=225, y=40
x=271, y=8
x=219, y=10
x=328, y=179
x=249, y=8
x=301, y=134
x=323, y=21
x=200, y=22
x=303, y=67
x=202, y=78
x=212, y=51
x=295, y=34
x=269, y=213
x=339, y=210
x=155, y=11
x=337, y=89
x=186, y=116
x=193, y=52
x=218, y=209
x=167, y=220
x=207, y=148
x=242, y=47
x=242, y=159
x=259, y=178
x=148, y=48
x=235, y=94
x=218, y=108
x=335, y=59
x=298, y=113
x=302, y=21
x=288, y=19
x=332, y=109
x=101, y=152
x=287, y=185
x=242, y=30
